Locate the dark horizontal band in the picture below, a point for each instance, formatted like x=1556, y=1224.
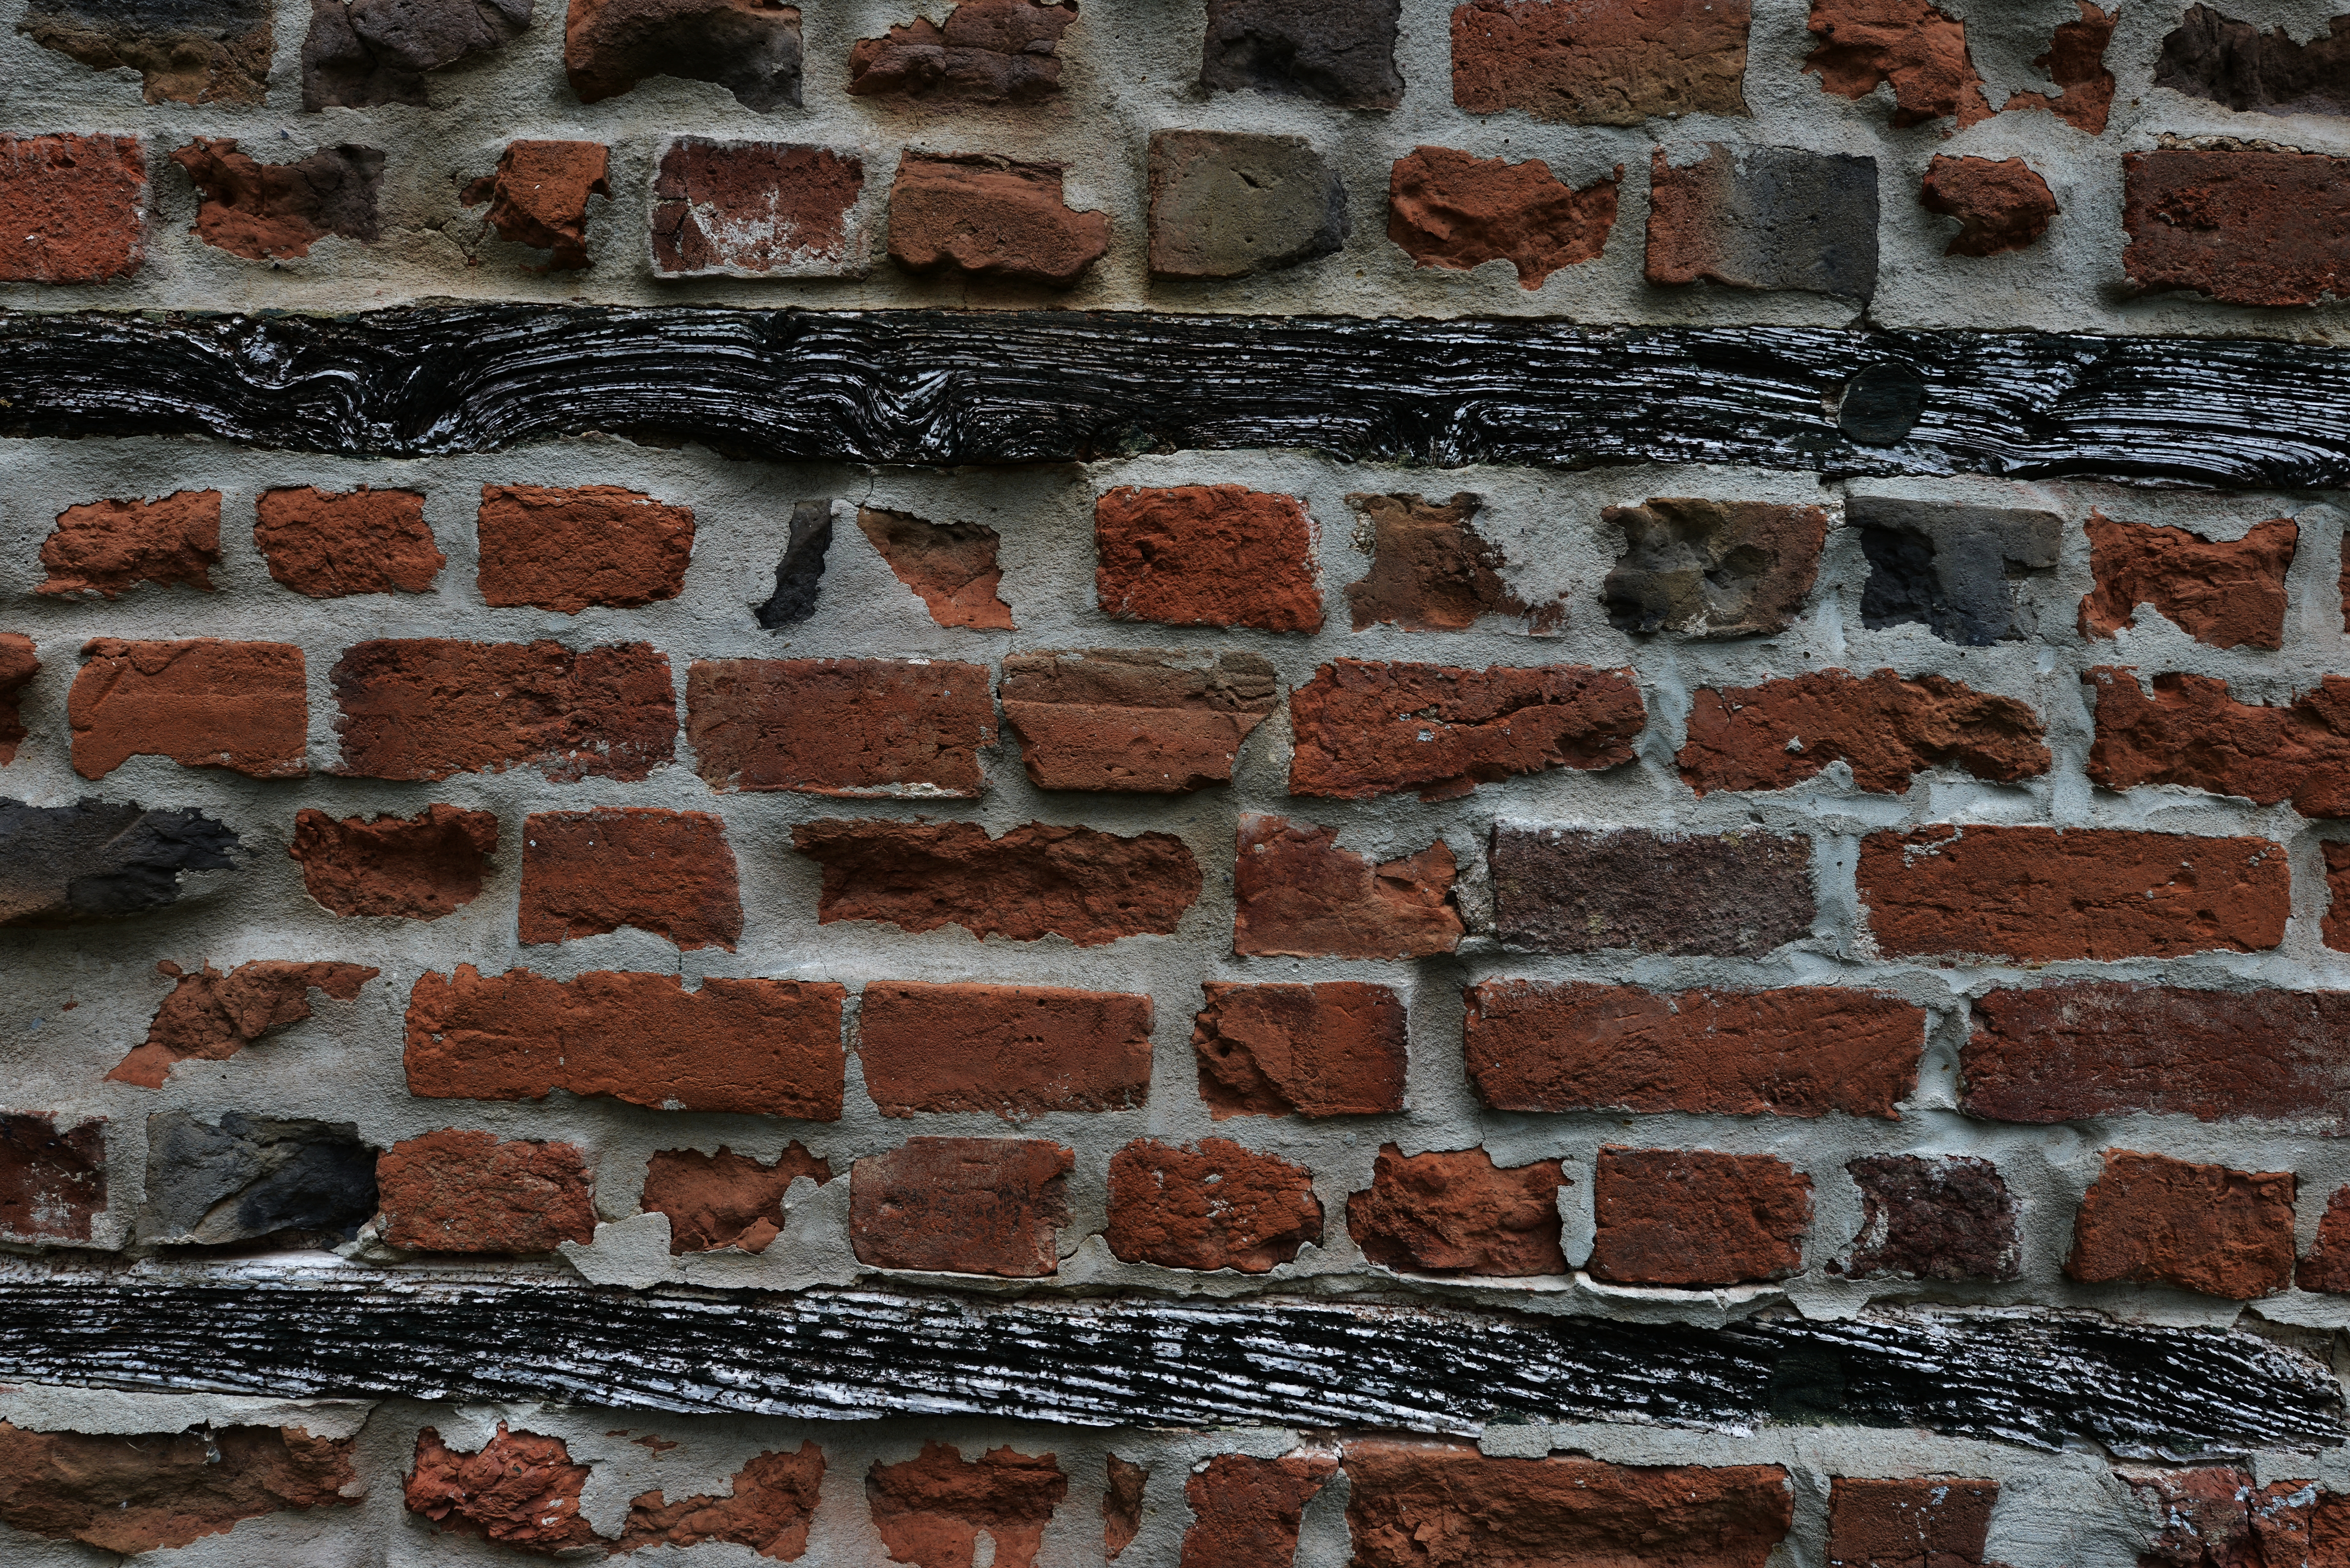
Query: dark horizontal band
x=942, y=387
x=2032, y=1378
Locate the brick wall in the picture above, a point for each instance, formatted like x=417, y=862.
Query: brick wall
x=1673, y=894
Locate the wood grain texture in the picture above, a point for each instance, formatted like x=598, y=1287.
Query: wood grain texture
x=2040, y=1379
x=942, y=387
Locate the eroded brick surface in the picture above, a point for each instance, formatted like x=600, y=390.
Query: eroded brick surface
x=986, y=51
x=768, y=1508
x=157, y=1491
x=2217, y=1517
x=1924, y=1217
x=52, y=1176
x=1691, y=1217
x=2229, y=593
x=1883, y=728
x=102, y=860
x=952, y=566
x=471, y=1192
x=416, y=868
x=1914, y=45
x=991, y=217
x=2000, y=204
x=756, y=209
x=1431, y=571
x=519, y=1490
x=566, y=549
x=278, y=211
x=73, y=209
x=210, y=52
x=1932, y=1522
x=962, y=1205
x=668, y=872
x=1206, y=554
x=327, y=545
x=1209, y=1205
x=211, y=1016
x=1570, y=890
x=750, y=47
x=2075, y=63
x=1134, y=720
x=19, y=663
x=2232, y=63
x=1227, y=203
x=725, y=1200
x=1340, y=51
x=1332, y=1049
x=1712, y=569
x=1017, y=1051
x=1246, y=1512
x=1295, y=892
x=1452, y=209
x=107, y=547
x=215, y=1181
x=241, y=706
x=361, y=53
x=1122, y=1489
x=1764, y=218
x=840, y=726
x=2328, y=1267
x=1459, y=1213
x=1363, y=729
x=425, y=707
x=2152, y=1220
x=2245, y=227
x=1615, y=62
x=929, y=1509
x=538, y=197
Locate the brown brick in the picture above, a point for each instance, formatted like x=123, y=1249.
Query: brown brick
x=1209, y=1205
x=1038, y=880
x=988, y=51
x=538, y=197
x=566, y=549
x=1226, y=203
x=1334, y=1049
x=2328, y=1267
x=1883, y=727
x=1947, y=1217
x=1694, y=1218
x=1711, y=570
x=756, y=209
x=2150, y=1220
x=1122, y=1488
x=752, y=50
x=1431, y=570
x=667, y=872
x=952, y=566
x=1135, y=721
x=2075, y=63
x=1339, y=51
x=2190, y=733
x=1451, y=209
x=768, y=1507
x=1017, y=1050
x=725, y=1200
x=203, y=705
x=1912, y=44
x=151, y=1491
x=18, y=664
x=962, y=1205
x=266, y=212
x=2039, y=895
x=1458, y=1213
x=763, y=1047
x=2000, y=204
x=2244, y=227
x=1922, y=1522
x=1206, y=554
x=930, y=1508
x=519, y=1490
x=110, y=547
x=1246, y=1512
x=73, y=209
x=2336, y=924
x=1800, y=1051
x=2069, y=1053
x=1763, y=218
x=2229, y=593
x=1363, y=729
x=1615, y=62
x=1740, y=895
x=416, y=868
x=2236, y=65
x=1295, y=893
x=329, y=546
x=365, y=56
x=840, y=726
x=991, y=217
x=1570, y=1512
x=453, y=1191
x=425, y=707
x=210, y=1016
x=52, y=1182
x=216, y=54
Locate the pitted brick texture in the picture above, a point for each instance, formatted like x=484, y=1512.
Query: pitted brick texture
x=840, y=726
x=73, y=209
x=2190, y=732
x=110, y=546
x=1134, y=720
x=427, y=708
x=1600, y=62
x=670, y=872
x=1459, y=1213
x=1246, y=1512
x=471, y=1192
x=1206, y=554
x=2227, y=593
x=962, y=1205
x=328, y=545
x=1691, y=1217
x=418, y=867
x=1338, y=1048
x=1017, y=1051
x=1366, y=729
x=203, y=705
x=725, y=1200
x=1883, y=728
x=1295, y=892
x=566, y=549
x=1209, y=1205
x=2152, y=1220
x=929, y=1509
x=158, y=1491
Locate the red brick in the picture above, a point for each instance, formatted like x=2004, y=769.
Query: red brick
x=1038, y=880
x=768, y=1508
x=1945, y=1217
x=519, y=1490
x=929, y=1509
x=453, y=1191
x=1334, y=1049
x=1909, y=1523
x=538, y=197
x=203, y=705
x=763, y=1047
x=1365, y=729
x=2040, y=895
x=1122, y=1504
x=725, y=1200
x=2328, y=1267
x=425, y=707
x=416, y=868
x=2335, y=926
x=962, y=1205
x=2069, y=1053
x=1458, y=1213
x=1694, y=1218
x=988, y=51
x=1451, y=209
x=1615, y=62
x=73, y=209
x=1409, y=1502
x=18, y=664
x=210, y=1016
x=1209, y=1205
x=1915, y=46
x=276, y=211
x=1246, y=1512
x=2190, y=733
x=909, y=728
x=1206, y=554
x=1802, y=1050
x=756, y=209
x=991, y=217
x=2244, y=227
x=153, y=1492
x=1565, y=890
x=52, y=1182
x=1432, y=571
x=566, y=549
x=329, y=546
x=2229, y=593
x=952, y=566
x=1295, y=893
x=2216, y=1517
x=2000, y=204
x=1135, y=721
x=110, y=547
x=1883, y=728
x=2075, y=63
x=2150, y=1220
x=1018, y=1051
x=667, y=872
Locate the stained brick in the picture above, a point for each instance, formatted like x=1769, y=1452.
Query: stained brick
x=1206, y=554
x=1711, y=570
x=1363, y=729
x=73, y=209
x=2217, y=1517
x=2328, y=1267
x=840, y=726
x=416, y=868
x=987, y=51
x=1454, y=210
x=52, y=1177
x=271, y=212
x=2229, y=593
x=962, y=1205
x=1018, y=1051
x=1883, y=727
x=2235, y=65
x=1296, y=893
x=1764, y=218
x=141, y=1492
x=1947, y=1217
x=1961, y=571
x=102, y=860
x=210, y=1016
x=725, y=1200
x=538, y=198
x=455, y=1191
x=2190, y=732
x=1209, y=1205
x=991, y=217
x=110, y=547
x=1340, y=51
x=364, y=53
x=1431, y=570
x=519, y=1490
x=1333, y=1049
x=2245, y=227
x=216, y=52
x=757, y=209
x=566, y=549
x=1615, y=62
x=667, y=872
x=2151, y=1220
x=2000, y=205
x=1912, y=1522
x=19, y=663
x=1459, y=1213
x=751, y=50
x=1246, y=1512
x=203, y=704
x=1694, y=1218
x=236, y=1177
x=329, y=546
x=1914, y=45
x=1135, y=721
x=1566, y=890
x=426, y=707
x=1227, y=203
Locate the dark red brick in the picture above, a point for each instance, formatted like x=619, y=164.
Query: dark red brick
x=110, y=547
x=2236, y=65
x=1914, y=45
x=840, y=726
x=210, y=1016
x=416, y=868
x=1923, y=1522
x=667, y=872
x=2151, y=1220
x=212, y=54
x=1947, y=1217
x=2190, y=733
x=1740, y=895
x=203, y=705
x=1135, y=721
x=365, y=55
x=52, y=1181
x=1209, y=1205
x=768, y=1507
x=1615, y=62
x=519, y=1490
x=73, y=209
x=962, y=1205
x=18, y=664
x=2245, y=227
x=991, y=217
x=2328, y=1267
x=952, y=566
x=2216, y=1517
x=426, y=707
x=2335, y=926
x=1295, y=893
x=566, y=549
x=1459, y=1213
x=453, y=1191
x=987, y=51
x=1018, y=1051
x=1334, y=1049
x=1431, y=570
x=750, y=47
x=930, y=1508
x=1363, y=729
x=725, y=1200
x=269, y=212
x=153, y=1492
x=329, y=546
x=2229, y=593
x=2000, y=204
x=1693, y=1218
x=538, y=198
x=756, y=209
x=1246, y=1512
x=1883, y=727
x=1206, y=554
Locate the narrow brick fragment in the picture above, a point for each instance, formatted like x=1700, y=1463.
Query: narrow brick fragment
x=455, y=1191
x=1037, y=880
x=725, y=1200
x=1209, y=1205
x=1334, y=1049
x=108, y=547
x=1017, y=1051
x=153, y=1492
x=329, y=546
x=271, y=211
x=1692, y=1218
x=216, y=52
x=1363, y=729
x=1135, y=721
x=2038, y=895
x=991, y=217
x=416, y=868
x=2244, y=227
x=764, y=1047
x=768, y=1507
x=1459, y=1213
x=1246, y=1512
x=73, y=209
x=519, y=1490
x=210, y=1016
x=429, y=707
x=1122, y=1486
x=1296, y=893
x=2075, y=63
x=2327, y=1266
x=538, y=198
x=667, y=872
x=1451, y=209
x=1883, y=727
x=1764, y=218
x=203, y=704
x=566, y=549
x=1567, y=890
x=1711, y=570
x=2151, y=1220
x=1928, y=1522
x=2229, y=593
x=750, y=47
x=2236, y=65
x=1942, y=1216
x=1612, y=62
x=52, y=1177
x=1206, y=554
x=2000, y=205
x=951, y=564
x=1802, y=1050
x=930, y=1508
x=18, y=664
x=2335, y=926
x=962, y=1205
x=1914, y=45
x=987, y=51
x=757, y=209
x=1339, y=51
x=840, y=726
x=1431, y=571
